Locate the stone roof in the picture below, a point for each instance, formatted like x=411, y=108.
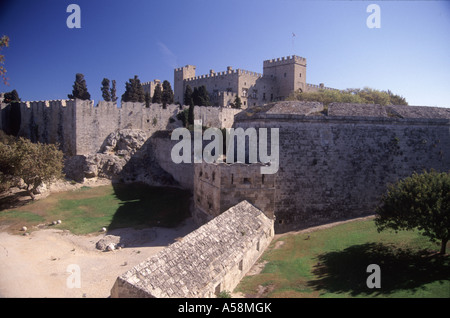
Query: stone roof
x=184, y=268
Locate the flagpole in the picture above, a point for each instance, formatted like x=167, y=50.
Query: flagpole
x=293, y=37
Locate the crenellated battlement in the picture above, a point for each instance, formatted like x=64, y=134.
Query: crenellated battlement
x=180, y=69
x=224, y=73
x=320, y=86
x=48, y=103
x=284, y=61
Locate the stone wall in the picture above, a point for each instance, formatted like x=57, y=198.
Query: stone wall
x=50, y=122
x=218, y=117
x=337, y=166
x=81, y=128
x=219, y=186
x=94, y=124
x=209, y=260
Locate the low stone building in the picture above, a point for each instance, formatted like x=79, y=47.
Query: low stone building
x=209, y=260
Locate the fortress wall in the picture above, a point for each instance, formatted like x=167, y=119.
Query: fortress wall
x=49, y=122
x=94, y=124
x=338, y=167
x=183, y=173
x=217, y=117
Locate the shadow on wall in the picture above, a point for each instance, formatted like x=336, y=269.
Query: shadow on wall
x=143, y=166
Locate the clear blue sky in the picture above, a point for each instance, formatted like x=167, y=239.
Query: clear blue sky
x=409, y=54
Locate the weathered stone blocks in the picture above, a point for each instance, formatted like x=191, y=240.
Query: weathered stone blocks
x=209, y=260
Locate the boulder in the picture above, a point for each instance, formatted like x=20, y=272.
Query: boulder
x=107, y=242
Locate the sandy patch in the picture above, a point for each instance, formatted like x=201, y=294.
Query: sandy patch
x=37, y=265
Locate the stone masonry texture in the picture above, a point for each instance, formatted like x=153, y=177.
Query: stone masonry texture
x=205, y=262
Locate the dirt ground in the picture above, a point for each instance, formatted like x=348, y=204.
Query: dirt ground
x=38, y=265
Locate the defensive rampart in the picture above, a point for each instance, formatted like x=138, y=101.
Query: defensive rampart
x=337, y=165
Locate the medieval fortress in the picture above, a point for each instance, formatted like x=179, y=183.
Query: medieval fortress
x=334, y=163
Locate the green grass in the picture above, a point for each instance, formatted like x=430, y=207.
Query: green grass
x=332, y=263
x=87, y=210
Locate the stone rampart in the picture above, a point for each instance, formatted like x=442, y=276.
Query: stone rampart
x=338, y=166
x=209, y=260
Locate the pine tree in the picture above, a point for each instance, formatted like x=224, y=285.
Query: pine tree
x=167, y=94
x=105, y=90
x=113, y=91
x=79, y=88
x=157, y=95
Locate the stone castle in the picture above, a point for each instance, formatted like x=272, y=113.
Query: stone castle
x=334, y=163
x=279, y=79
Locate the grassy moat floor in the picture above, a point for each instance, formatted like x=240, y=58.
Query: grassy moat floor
x=87, y=210
x=333, y=262
x=328, y=262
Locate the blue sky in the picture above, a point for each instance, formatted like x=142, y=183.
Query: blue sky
x=409, y=54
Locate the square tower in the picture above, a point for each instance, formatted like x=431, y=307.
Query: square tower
x=289, y=74
x=180, y=74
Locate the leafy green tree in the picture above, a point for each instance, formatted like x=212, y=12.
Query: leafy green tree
x=79, y=88
x=11, y=96
x=4, y=42
x=237, y=102
x=134, y=92
x=157, y=95
x=167, y=93
x=12, y=115
x=113, y=91
x=421, y=201
x=34, y=163
x=106, y=94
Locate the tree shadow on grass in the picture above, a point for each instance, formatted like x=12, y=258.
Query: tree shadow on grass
x=401, y=269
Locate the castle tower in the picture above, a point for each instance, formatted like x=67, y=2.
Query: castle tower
x=289, y=74
x=180, y=74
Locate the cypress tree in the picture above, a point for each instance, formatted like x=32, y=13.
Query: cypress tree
x=134, y=92
x=157, y=95
x=167, y=93
x=188, y=96
x=79, y=88
x=105, y=90
x=147, y=100
x=113, y=91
